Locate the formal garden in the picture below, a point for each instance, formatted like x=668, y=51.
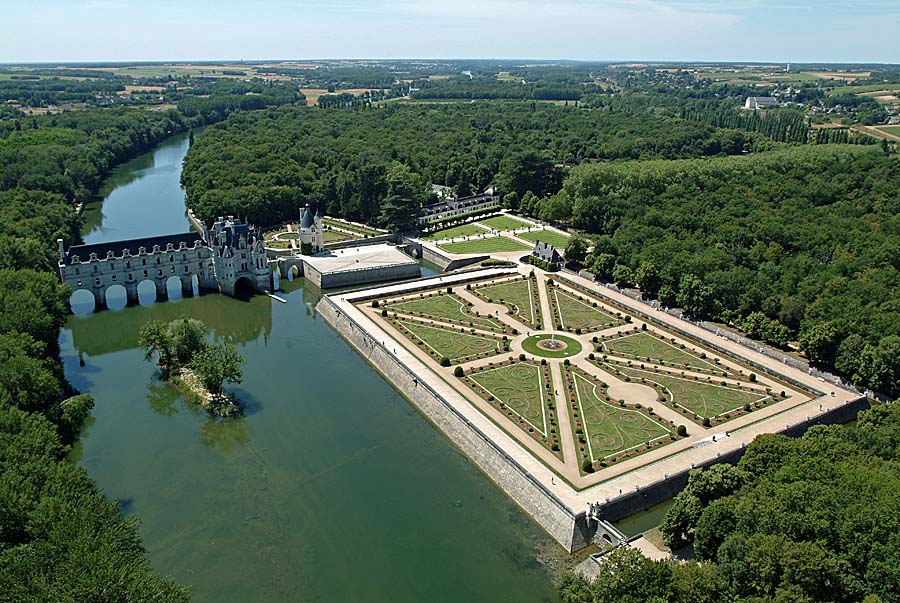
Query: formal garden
x=551, y=237
x=505, y=223
x=447, y=307
x=521, y=390
x=579, y=314
x=485, y=245
x=608, y=431
x=519, y=295
x=595, y=347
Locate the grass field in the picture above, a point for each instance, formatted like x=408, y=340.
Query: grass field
x=504, y=223
x=647, y=345
x=363, y=231
x=518, y=296
x=550, y=237
x=486, y=245
x=699, y=397
x=448, y=307
x=894, y=130
x=610, y=429
x=333, y=236
x=861, y=89
x=520, y=387
x=443, y=342
x=463, y=230
x=572, y=313
x=530, y=345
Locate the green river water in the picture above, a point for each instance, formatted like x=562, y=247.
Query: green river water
x=332, y=488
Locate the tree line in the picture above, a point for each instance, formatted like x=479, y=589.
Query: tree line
x=263, y=165
x=791, y=245
x=809, y=519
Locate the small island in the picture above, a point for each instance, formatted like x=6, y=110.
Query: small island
x=187, y=360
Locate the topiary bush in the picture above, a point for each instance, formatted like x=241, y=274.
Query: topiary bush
x=445, y=361
x=458, y=372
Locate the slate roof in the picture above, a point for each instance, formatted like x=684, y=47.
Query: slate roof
x=133, y=245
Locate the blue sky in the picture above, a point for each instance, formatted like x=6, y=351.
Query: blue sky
x=673, y=30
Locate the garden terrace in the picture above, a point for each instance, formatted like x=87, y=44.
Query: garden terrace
x=520, y=295
x=485, y=245
x=551, y=237
x=445, y=306
x=652, y=347
x=608, y=431
x=441, y=342
x=505, y=223
x=698, y=397
x=454, y=232
x=523, y=392
x=577, y=313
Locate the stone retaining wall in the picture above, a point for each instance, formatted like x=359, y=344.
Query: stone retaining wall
x=566, y=527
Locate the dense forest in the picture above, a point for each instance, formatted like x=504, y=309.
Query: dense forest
x=263, y=165
x=810, y=519
x=805, y=238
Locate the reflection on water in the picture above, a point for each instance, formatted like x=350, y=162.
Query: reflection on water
x=331, y=488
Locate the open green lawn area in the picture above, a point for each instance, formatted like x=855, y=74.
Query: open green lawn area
x=862, y=89
x=895, y=130
x=446, y=306
x=571, y=347
x=519, y=386
x=608, y=428
x=363, y=231
x=504, y=223
x=450, y=343
x=333, y=236
x=486, y=245
x=519, y=296
x=644, y=345
x=699, y=397
x=463, y=230
x=551, y=237
x=572, y=313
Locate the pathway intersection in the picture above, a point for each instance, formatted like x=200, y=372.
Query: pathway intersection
x=645, y=397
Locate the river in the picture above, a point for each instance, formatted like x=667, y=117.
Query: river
x=332, y=488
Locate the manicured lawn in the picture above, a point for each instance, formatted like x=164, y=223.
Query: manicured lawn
x=504, y=223
x=530, y=345
x=486, y=245
x=647, y=345
x=333, y=236
x=517, y=295
x=699, y=397
x=463, y=230
x=363, y=231
x=572, y=313
x=608, y=428
x=443, y=342
x=447, y=307
x=520, y=387
x=550, y=237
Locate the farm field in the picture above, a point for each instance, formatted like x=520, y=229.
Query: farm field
x=445, y=306
x=519, y=295
x=463, y=230
x=551, y=237
x=504, y=223
x=571, y=313
x=486, y=245
x=893, y=130
x=608, y=429
x=446, y=343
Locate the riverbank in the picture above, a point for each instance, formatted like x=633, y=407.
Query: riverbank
x=220, y=405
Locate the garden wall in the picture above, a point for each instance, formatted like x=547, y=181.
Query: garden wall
x=566, y=527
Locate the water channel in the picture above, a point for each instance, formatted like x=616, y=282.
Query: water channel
x=331, y=488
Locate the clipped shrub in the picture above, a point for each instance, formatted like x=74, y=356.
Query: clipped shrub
x=445, y=361
x=681, y=431
x=587, y=466
x=706, y=422
x=521, y=356
x=458, y=372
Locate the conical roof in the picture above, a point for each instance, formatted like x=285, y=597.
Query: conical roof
x=306, y=218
